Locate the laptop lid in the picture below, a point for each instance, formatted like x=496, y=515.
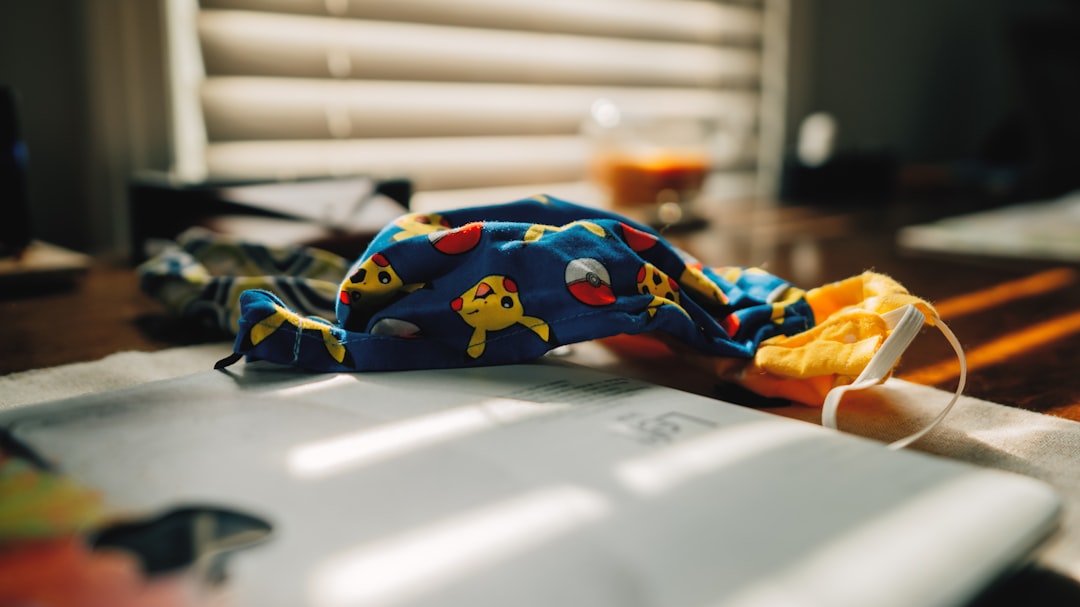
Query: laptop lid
x=540, y=484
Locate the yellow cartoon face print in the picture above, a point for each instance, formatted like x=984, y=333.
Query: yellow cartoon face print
x=652, y=281
x=418, y=224
x=780, y=299
x=537, y=230
x=494, y=304
x=715, y=298
x=696, y=280
x=373, y=284
x=283, y=316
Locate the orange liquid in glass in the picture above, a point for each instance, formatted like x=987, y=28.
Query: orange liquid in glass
x=636, y=181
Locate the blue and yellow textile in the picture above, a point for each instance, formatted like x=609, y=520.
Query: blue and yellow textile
x=201, y=276
x=507, y=283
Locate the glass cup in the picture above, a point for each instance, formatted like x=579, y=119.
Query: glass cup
x=654, y=167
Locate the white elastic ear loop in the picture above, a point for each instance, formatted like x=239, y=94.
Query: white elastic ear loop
x=906, y=322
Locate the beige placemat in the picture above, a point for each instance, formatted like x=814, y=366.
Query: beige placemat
x=112, y=372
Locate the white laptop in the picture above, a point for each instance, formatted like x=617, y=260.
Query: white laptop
x=541, y=484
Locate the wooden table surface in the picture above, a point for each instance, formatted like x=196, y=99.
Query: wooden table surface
x=1019, y=322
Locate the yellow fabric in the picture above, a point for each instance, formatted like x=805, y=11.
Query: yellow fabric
x=868, y=291
x=849, y=330
x=844, y=344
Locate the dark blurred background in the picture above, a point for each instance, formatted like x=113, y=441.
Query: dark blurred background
x=975, y=95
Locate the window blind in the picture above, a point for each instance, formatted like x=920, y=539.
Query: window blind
x=452, y=93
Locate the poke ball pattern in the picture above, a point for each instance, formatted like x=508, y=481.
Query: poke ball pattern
x=457, y=241
x=637, y=240
x=589, y=282
x=396, y=327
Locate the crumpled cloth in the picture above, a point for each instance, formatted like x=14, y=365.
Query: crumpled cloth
x=201, y=276
x=507, y=283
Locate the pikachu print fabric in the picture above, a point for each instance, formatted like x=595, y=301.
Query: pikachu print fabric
x=507, y=283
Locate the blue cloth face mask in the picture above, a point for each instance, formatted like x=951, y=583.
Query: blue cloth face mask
x=507, y=283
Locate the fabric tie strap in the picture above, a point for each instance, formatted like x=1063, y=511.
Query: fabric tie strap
x=906, y=323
